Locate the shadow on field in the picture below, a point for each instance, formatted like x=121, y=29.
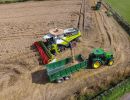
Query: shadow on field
x=40, y=77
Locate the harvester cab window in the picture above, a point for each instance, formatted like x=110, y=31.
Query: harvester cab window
x=75, y=32
x=51, y=40
x=61, y=36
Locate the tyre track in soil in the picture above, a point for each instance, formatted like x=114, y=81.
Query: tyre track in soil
x=19, y=36
x=110, y=36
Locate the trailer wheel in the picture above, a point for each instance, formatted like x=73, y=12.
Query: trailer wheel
x=60, y=80
x=66, y=78
x=77, y=39
x=32, y=47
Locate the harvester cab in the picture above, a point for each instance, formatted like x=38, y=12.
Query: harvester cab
x=99, y=57
x=56, y=39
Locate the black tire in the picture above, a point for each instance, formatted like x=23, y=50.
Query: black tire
x=60, y=80
x=110, y=62
x=77, y=39
x=96, y=64
x=73, y=44
x=66, y=78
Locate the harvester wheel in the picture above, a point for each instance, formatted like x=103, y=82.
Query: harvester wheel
x=73, y=43
x=110, y=62
x=62, y=48
x=32, y=47
x=96, y=64
x=77, y=40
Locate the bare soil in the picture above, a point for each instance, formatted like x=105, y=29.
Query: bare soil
x=21, y=24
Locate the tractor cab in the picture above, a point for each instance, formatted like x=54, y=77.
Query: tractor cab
x=99, y=57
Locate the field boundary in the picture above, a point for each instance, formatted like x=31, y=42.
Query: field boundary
x=117, y=17
x=120, y=89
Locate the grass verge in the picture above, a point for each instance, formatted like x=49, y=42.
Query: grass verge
x=122, y=7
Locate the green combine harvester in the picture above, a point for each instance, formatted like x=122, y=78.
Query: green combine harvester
x=62, y=69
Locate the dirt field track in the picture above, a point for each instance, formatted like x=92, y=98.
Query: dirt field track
x=21, y=76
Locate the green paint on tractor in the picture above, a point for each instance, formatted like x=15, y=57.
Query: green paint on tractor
x=99, y=57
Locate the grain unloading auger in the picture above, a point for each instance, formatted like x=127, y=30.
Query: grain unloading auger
x=56, y=41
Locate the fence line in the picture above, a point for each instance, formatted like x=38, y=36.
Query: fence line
x=118, y=17
x=122, y=87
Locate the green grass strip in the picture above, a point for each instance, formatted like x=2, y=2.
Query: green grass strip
x=122, y=7
x=116, y=92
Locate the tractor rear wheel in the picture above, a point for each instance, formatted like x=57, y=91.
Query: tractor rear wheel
x=110, y=62
x=96, y=64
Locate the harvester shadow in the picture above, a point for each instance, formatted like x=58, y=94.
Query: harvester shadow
x=33, y=48
x=39, y=77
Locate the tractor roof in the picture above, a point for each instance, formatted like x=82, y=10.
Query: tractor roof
x=98, y=51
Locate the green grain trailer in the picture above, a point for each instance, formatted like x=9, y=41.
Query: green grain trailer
x=61, y=70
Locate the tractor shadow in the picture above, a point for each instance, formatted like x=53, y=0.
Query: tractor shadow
x=40, y=77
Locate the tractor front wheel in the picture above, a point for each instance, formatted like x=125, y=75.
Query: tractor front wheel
x=110, y=62
x=96, y=64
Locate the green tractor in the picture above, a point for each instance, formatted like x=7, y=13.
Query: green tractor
x=99, y=57
x=98, y=5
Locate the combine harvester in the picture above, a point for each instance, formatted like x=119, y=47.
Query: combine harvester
x=62, y=70
x=56, y=41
